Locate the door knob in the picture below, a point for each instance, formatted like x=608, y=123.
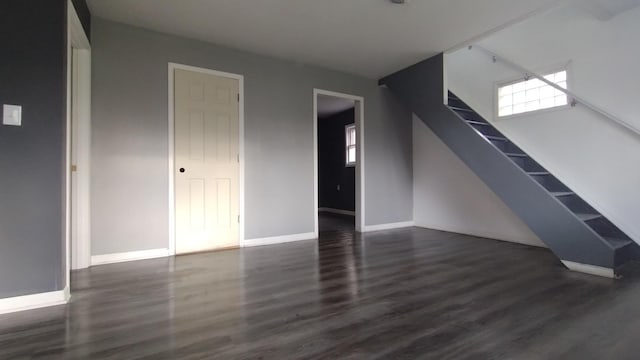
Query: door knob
x=181, y=170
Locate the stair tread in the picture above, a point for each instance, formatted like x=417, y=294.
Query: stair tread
x=455, y=108
x=562, y=193
x=473, y=122
x=538, y=173
x=516, y=155
x=588, y=217
x=496, y=138
x=617, y=243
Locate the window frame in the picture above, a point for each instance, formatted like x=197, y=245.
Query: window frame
x=514, y=80
x=347, y=145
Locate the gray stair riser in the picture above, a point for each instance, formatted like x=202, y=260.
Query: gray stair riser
x=605, y=228
x=628, y=253
x=527, y=164
x=507, y=147
x=486, y=130
x=577, y=205
x=456, y=103
x=470, y=116
x=550, y=183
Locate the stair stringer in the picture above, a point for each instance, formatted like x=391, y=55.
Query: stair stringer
x=421, y=88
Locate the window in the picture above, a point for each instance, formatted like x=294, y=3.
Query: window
x=350, y=133
x=526, y=95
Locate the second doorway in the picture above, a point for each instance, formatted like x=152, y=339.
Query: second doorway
x=337, y=161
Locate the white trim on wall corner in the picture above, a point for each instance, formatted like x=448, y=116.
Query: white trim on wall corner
x=337, y=211
x=128, y=256
x=34, y=301
x=390, y=226
x=279, y=239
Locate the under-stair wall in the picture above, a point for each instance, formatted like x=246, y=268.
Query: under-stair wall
x=448, y=196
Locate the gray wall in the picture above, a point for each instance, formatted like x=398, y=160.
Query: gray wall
x=32, y=74
x=129, y=185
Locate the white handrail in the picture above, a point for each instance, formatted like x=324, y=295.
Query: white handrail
x=573, y=96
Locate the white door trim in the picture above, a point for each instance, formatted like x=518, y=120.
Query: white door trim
x=360, y=163
x=172, y=202
x=77, y=220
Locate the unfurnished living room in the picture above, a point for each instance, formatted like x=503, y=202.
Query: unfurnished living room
x=335, y=179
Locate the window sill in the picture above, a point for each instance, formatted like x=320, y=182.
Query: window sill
x=533, y=113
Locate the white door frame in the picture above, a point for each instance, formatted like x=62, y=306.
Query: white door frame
x=360, y=165
x=172, y=199
x=77, y=229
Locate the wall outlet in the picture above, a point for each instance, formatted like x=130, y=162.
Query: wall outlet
x=12, y=115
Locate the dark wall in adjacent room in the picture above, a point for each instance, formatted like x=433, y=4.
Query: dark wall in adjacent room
x=331, y=163
x=33, y=75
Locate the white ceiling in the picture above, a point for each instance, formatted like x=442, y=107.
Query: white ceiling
x=330, y=105
x=371, y=38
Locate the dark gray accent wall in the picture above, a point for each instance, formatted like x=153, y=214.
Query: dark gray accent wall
x=332, y=171
x=33, y=75
x=130, y=196
x=84, y=15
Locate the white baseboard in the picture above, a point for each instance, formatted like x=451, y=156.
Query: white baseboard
x=590, y=269
x=128, y=256
x=278, y=239
x=337, y=211
x=391, y=226
x=484, y=234
x=34, y=301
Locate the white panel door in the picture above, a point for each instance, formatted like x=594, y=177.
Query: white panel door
x=207, y=167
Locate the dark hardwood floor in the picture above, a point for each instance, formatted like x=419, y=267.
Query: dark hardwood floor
x=328, y=222
x=405, y=294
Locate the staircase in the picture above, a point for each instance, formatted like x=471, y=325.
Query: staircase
x=580, y=236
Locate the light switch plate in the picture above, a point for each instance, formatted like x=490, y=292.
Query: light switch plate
x=12, y=115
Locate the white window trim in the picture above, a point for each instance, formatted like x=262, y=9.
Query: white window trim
x=543, y=72
x=347, y=146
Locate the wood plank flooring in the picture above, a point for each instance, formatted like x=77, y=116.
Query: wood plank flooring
x=328, y=222
x=403, y=294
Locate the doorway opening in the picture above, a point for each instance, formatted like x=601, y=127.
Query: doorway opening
x=339, y=162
